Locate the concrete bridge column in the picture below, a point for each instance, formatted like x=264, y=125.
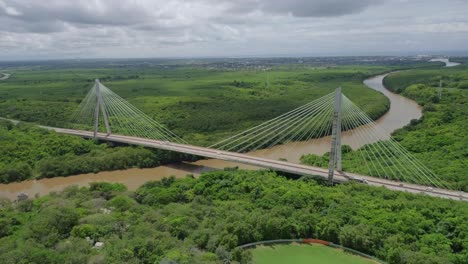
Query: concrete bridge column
x=335, y=152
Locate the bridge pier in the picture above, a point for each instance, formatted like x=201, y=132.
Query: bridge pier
x=100, y=105
x=335, y=152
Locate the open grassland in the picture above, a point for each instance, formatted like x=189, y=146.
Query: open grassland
x=304, y=254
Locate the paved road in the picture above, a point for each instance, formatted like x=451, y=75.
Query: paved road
x=269, y=163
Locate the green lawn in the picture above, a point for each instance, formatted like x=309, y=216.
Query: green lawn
x=310, y=254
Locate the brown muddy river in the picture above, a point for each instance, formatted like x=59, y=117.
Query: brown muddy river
x=401, y=112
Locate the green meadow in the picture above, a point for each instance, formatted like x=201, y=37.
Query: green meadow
x=304, y=254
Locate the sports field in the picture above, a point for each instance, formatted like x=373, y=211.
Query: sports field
x=304, y=254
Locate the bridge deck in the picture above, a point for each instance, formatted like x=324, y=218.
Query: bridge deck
x=268, y=163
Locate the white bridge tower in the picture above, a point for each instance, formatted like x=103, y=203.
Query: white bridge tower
x=335, y=152
x=100, y=105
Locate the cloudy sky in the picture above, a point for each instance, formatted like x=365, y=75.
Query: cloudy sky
x=49, y=29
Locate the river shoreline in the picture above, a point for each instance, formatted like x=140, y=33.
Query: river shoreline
x=402, y=110
x=447, y=62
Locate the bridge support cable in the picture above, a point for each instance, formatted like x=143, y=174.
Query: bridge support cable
x=330, y=115
x=407, y=172
x=123, y=119
x=318, y=131
x=375, y=148
x=100, y=108
x=322, y=119
x=364, y=131
x=85, y=112
x=251, y=131
x=118, y=114
x=398, y=163
x=387, y=161
x=268, y=124
x=302, y=126
x=276, y=134
x=146, y=126
x=370, y=150
x=415, y=165
x=348, y=125
x=275, y=131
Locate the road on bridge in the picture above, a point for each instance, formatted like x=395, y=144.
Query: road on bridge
x=268, y=163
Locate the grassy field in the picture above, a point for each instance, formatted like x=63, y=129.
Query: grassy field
x=304, y=254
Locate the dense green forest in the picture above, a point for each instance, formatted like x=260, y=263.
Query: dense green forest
x=203, y=220
x=30, y=152
x=439, y=138
x=201, y=105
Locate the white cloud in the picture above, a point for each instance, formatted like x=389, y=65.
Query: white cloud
x=11, y=11
x=145, y=28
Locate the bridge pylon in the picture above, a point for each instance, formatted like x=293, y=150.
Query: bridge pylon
x=335, y=152
x=100, y=107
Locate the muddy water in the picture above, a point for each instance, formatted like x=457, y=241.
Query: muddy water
x=401, y=112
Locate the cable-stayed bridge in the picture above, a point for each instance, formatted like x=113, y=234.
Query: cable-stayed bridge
x=106, y=116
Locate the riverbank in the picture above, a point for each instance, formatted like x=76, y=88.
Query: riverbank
x=401, y=112
x=447, y=62
x=439, y=140
x=225, y=209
